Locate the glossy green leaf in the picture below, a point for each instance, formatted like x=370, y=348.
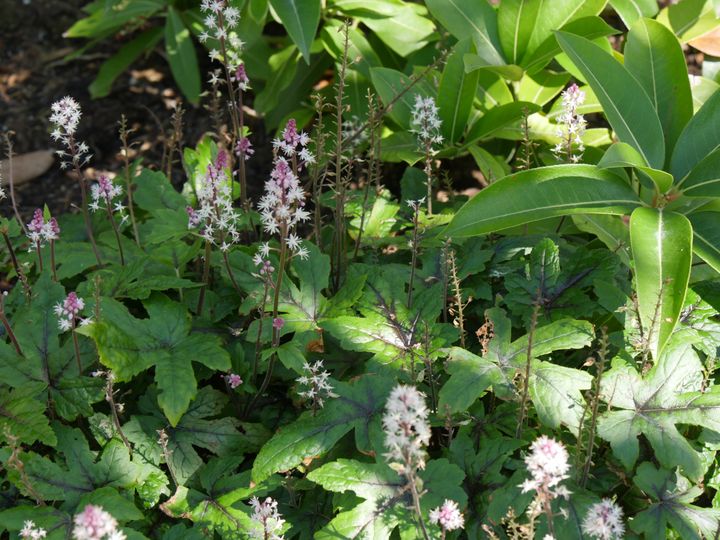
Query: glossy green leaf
x=109, y=17
x=632, y=10
x=587, y=27
x=499, y=117
x=516, y=21
x=706, y=234
x=654, y=57
x=542, y=86
x=610, y=230
x=481, y=61
x=405, y=32
x=389, y=83
x=300, y=18
x=456, y=93
x=689, y=19
x=121, y=60
x=542, y=193
x=700, y=137
x=554, y=15
x=651, y=405
x=181, y=56
x=621, y=155
x=474, y=19
x=626, y=105
x=662, y=250
x=704, y=178
x=491, y=167
x=359, y=49
x=284, y=65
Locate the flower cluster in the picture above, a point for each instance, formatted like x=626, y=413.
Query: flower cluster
x=282, y=206
x=216, y=215
x=103, y=194
x=234, y=380
x=426, y=123
x=68, y=312
x=244, y=148
x=41, y=231
x=94, y=523
x=294, y=144
x=448, y=516
x=548, y=465
x=604, y=521
x=266, y=514
x=31, y=532
x=65, y=118
x=220, y=20
x=316, y=382
x=406, y=428
x=571, y=125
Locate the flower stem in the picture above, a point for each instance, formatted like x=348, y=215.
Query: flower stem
x=52, y=260
x=205, y=278
x=8, y=328
x=128, y=183
x=115, y=230
x=76, y=346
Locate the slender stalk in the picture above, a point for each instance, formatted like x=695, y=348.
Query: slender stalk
x=76, y=347
x=595, y=406
x=429, y=178
x=316, y=177
x=115, y=229
x=83, y=192
x=547, y=508
x=413, y=263
x=205, y=278
x=109, y=397
x=52, y=260
x=340, y=252
x=39, y=255
x=15, y=263
x=230, y=273
x=128, y=184
x=260, y=329
x=416, y=504
x=276, y=303
x=167, y=453
x=11, y=181
x=526, y=376
x=8, y=328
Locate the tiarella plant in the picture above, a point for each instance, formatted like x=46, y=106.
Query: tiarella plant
x=340, y=345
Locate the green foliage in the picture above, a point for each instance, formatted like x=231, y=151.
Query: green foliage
x=220, y=363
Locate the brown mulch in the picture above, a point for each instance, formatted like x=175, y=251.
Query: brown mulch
x=34, y=72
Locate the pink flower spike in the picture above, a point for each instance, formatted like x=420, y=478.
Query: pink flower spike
x=447, y=516
x=234, y=380
x=37, y=223
x=244, y=148
x=278, y=323
x=94, y=523
x=68, y=311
